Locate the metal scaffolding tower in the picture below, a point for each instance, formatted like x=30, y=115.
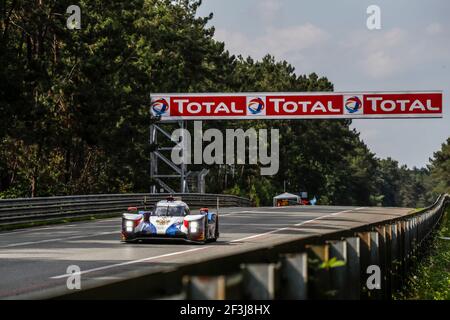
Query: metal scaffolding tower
x=162, y=143
x=158, y=134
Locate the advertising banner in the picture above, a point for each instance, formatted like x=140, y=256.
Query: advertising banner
x=296, y=105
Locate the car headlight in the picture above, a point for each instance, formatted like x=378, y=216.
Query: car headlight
x=129, y=223
x=194, y=226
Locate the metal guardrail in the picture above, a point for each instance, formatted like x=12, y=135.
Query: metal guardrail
x=24, y=210
x=291, y=270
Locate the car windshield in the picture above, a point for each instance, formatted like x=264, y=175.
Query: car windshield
x=169, y=211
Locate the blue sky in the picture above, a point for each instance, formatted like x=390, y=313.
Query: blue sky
x=410, y=52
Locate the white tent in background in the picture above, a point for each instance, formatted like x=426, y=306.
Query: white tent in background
x=289, y=197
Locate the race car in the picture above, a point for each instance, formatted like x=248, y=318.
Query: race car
x=170, y=219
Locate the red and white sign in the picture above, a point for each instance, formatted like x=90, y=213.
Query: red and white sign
x=301, y=105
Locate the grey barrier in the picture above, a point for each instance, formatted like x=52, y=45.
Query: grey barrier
x=26, y=210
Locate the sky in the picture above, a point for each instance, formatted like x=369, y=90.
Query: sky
x=411, y=51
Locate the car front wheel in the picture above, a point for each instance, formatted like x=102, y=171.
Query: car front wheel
x=216, y=230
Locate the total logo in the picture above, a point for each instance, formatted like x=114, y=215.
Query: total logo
x=353, y=105
x=160, y=107
x=256, y=106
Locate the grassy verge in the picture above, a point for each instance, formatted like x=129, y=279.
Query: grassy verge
x=430, y=280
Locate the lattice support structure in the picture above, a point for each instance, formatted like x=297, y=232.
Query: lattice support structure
x=163, y=182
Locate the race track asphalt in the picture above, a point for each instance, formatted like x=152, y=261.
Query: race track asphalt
x=36, y=259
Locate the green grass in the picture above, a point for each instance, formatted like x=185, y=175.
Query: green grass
x=430, y=280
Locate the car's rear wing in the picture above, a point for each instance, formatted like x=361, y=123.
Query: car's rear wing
x=173, y=198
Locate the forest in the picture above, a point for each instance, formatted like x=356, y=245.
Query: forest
x=74, y=108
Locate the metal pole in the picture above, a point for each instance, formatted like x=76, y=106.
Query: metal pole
x=153, y=160
x=353, y=268
x=183, y=125
x=294, y=273
x=217, y=205
x=339, y=275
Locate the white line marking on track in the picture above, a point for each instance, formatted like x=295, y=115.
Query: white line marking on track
x=58, y=239
x=57, y=226
x=295, y=225
x=131, y=262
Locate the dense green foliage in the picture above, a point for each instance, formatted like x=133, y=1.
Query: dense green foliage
x=74, y=108
x=430, y=279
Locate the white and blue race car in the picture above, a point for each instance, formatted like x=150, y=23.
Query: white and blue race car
x=170, y=219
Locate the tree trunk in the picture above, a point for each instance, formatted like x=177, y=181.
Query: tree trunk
x=33, y=186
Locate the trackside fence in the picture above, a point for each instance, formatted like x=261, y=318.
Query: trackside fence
x=27, y=210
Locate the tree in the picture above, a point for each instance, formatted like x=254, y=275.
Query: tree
x=440, y=169
x=75, y=118
x=75, y=103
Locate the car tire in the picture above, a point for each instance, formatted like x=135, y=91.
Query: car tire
x=216, y=230
x=207, y=238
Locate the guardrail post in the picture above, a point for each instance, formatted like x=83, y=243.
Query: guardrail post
x=364, y=261
x=407, y=246
x=411, y=238
x=370, y=256
x=206, y=288
x=261, y=280
x=430, y=220
x=294, y=276
x=339, y=282
x=421, y=228
x=435, y=216
x=214, y=288
x=414, y=235
x=402, y=235
x=417, y=218
x=319, y=277
x=353, y=268
x=395, y=256
x=383, y=260
x=424, y=226
x=375, y=261
x=389, y=260
x=346, y=280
